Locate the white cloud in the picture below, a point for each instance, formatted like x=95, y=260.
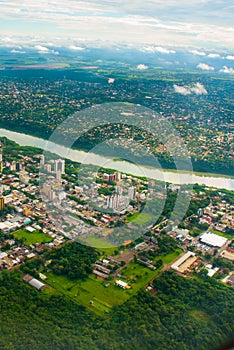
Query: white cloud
x=164, y=50
x=204, y=66
x=213, y=55
x=196, y=88
x=76, y=48
x=17, y=51
x=199, y=53
x=6, y=40
x=142, y=67
x=41, y=49
x=182, y=90
x=229, y=57
x=151, y=22
x=45, y=50
x=199, y=89
x=152, y=49
x=227, y=70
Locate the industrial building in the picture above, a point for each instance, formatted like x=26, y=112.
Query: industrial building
x=183, y=263
x=213, y=240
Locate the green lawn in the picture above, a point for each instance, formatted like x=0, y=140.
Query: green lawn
x=32, y=238
x=91, y=289
x=107, y=248
x=139, y=218
x=138, y=276
x=167, y=259
x=222, y=234
x=104, y=298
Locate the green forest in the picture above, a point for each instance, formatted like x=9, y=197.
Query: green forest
x=180, y=314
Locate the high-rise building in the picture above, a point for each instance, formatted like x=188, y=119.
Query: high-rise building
x=58, y=175
x=113, y=201
x=18, y=166
x=131, y=193
x=2, y=202
x=13, y=166
x=118, y=176
x=119, y=190
x=42, y=160
x=51, y=195
x=0, y=158
x=47, y=168
x=59, y=166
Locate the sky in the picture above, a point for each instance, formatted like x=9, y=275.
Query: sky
x=186, y=23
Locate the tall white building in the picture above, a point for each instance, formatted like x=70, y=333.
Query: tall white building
x=118, y=176
x=113, y=201
x=42, y=161
x=59, y=166
x=1, y=159
x=47, y=168
x=131, y=193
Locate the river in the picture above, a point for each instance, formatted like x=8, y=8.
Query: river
x=218, y=181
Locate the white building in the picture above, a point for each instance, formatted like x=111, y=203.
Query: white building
x=184, y=262
x=132, y=193
x=59, y=166
x=42, y=160
x=122, y=284
x=213, y=240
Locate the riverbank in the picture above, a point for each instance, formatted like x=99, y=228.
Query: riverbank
x=171, y=176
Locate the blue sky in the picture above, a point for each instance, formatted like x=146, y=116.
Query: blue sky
x=193, y=23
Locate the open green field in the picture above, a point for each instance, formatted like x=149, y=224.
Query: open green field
x=139, y=218
x=222, y=234
x=105, y=297
x=167, y=259
x=102, y=245
x=138, y=276
x=93, y=289
x=32, y=238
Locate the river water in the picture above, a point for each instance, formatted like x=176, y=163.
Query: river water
x=218, y=181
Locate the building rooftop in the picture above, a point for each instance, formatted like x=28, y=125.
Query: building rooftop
x=213, y=240
x=36, y=284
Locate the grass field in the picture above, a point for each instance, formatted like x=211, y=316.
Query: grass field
x=91, y=289
x=139, y=218
x=222, y=234
x=104, y=298
x=167, y=259
x=102, y=245
x=32, y=238
x=138, y=276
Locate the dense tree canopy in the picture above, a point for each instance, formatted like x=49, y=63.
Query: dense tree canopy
x=182, y=314
x=72, y=259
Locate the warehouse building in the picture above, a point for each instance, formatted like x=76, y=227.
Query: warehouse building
x=185, y=262
x=36, y=284
x=213, y=240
